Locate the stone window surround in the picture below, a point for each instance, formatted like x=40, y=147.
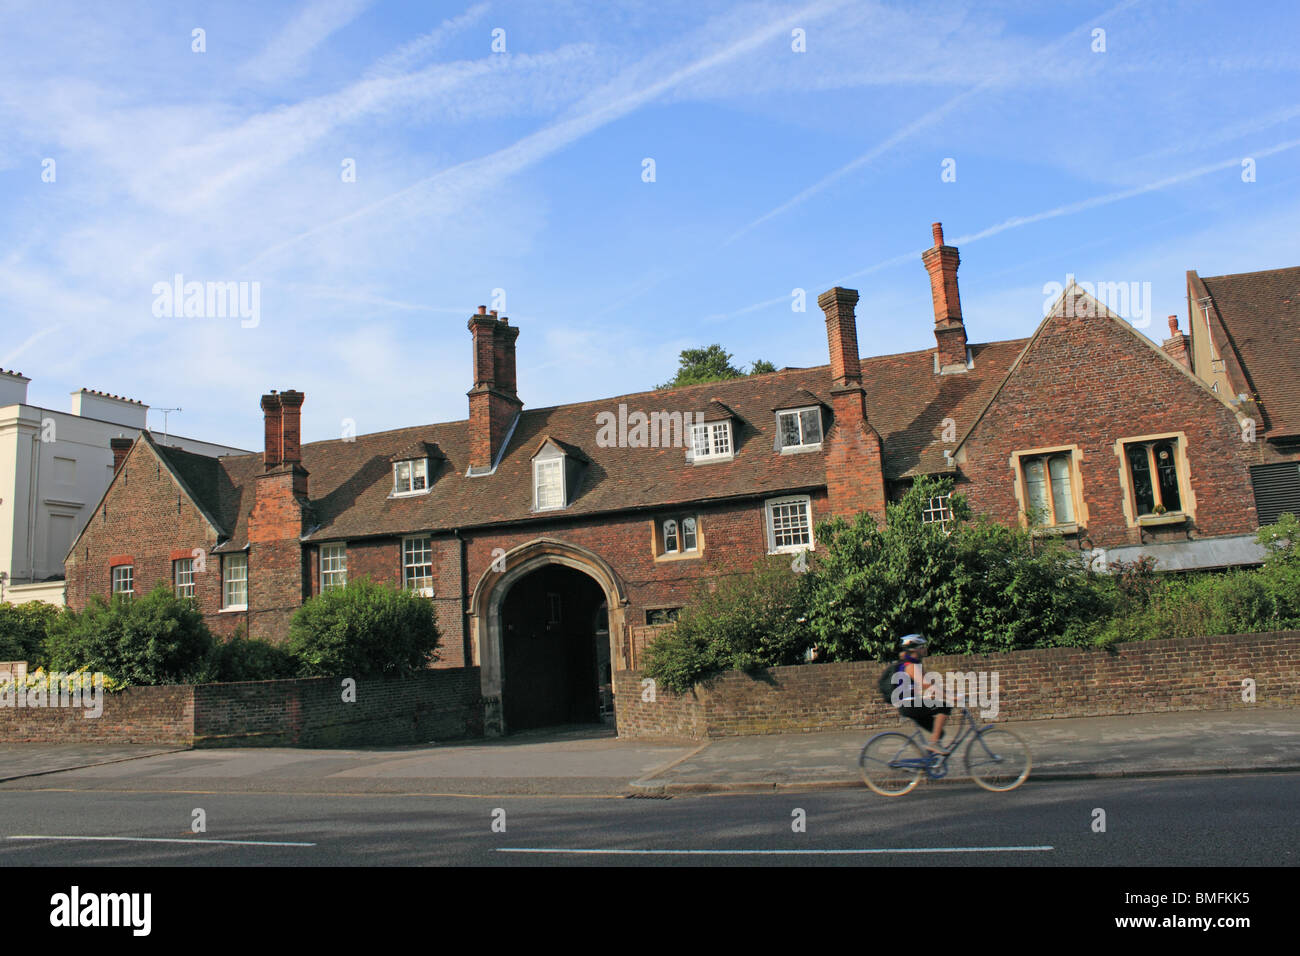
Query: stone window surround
x=1076, y=485
x=1188, y=511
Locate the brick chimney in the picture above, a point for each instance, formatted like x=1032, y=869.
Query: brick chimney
x=1177, y=345
x=949, y=330
x=855, y=478
x=291, y=427
x=271, y=456
x=278, y=575
x=121, y=448
x=493, y=404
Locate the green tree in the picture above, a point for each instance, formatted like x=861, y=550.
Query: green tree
x=365, y=629
x=711, y=364
x=974, y=586
x=738, y=622
x=23, y=629
x=155, y=639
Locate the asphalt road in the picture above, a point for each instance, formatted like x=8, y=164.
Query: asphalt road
x=1238, y=820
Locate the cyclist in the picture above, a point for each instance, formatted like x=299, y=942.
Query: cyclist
x=928, y=715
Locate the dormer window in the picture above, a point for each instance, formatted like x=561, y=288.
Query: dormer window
x=411, y=477
x=711, y=441
x=548, y=484
x=799, y=429
x=557, y=472
x=415, y=467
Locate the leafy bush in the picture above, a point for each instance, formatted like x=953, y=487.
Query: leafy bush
x=245, y=659
x=976, y=587
x=23, y=628
x=363, y=630
x=742, y=622
x=155, y=639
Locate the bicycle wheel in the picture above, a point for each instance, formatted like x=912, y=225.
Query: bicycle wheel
x=998, y=759
x=891, y=764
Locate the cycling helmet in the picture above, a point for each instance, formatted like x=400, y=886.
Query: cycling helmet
x=913, y=640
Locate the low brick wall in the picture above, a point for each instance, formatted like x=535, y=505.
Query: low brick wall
x=1203, y=673
x=435, y=705
x=138, y=715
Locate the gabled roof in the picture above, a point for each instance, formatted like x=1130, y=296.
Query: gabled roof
x=1083, y=301
x=417, y=450
x=350, y=480
x=1260, y=314
x=573, y=451
x=799, y=398
x=203, y=480
x=715, y=411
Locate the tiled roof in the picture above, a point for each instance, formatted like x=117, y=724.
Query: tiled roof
x=350, y=481
x=1261, y=313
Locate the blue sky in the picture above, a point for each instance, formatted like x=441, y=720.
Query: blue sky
x=522, y=170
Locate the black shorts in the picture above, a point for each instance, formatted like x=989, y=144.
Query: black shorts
x=924, y=715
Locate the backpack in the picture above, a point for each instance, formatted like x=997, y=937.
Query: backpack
x=886, y=683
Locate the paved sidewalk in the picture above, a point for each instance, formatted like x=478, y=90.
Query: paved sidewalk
x=31, y=760
x=1075, y=748
x=591, y=761
x=586, y=760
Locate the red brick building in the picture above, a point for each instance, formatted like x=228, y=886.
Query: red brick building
x=551, y=539
x=1245, y=345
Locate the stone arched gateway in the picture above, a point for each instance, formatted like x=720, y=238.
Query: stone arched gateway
x=490, y=593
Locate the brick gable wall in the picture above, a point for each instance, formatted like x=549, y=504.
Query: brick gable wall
x=146, y=517
x=1085, y=381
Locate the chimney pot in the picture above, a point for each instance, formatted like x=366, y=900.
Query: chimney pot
x=1173, y=325
x=493, y=403
x=941, y=263
x=482, y=310
x=272, y=454
x=291, y=426
x=121, y=448
x=842, y=335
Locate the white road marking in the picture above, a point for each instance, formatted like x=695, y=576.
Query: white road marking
x=121, y=839
x=922, y=849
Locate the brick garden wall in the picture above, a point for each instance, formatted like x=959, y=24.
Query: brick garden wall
x=1202, y=673
x=139, y=715
x=436, y=705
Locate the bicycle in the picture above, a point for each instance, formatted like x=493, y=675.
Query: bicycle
x=997, y=759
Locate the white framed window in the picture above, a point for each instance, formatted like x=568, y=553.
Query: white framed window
x=676, y=537
x=124, y=580
x=688, y=534
x=800, y=427
x=789, y=524
x=333, y=565
x=1049, y=495
x=183, y=577
x=411, y=477
x=548, y=484
x=234, y=582
x=670, y=536
x=417, y=565
x=938, y=510
x=711, y=441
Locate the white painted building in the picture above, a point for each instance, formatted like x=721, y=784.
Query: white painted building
x=54, y=468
